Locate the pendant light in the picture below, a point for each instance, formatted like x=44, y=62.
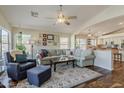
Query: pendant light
x=89, y=34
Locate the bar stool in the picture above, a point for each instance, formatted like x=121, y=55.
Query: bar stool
x=118, y=57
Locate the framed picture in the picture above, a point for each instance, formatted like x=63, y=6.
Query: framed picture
x=50, y=37
x=44, y=39
x=44, y=43
x=44, y=35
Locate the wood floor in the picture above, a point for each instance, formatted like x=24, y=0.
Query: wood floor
x=110, y=79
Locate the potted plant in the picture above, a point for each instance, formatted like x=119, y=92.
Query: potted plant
x=21, y=47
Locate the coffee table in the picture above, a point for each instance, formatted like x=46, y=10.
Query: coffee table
x=63, y=61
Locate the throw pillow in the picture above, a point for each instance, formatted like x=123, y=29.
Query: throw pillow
x=41, y=55
x=45, y=52
x=14, y=52
x=21, y=58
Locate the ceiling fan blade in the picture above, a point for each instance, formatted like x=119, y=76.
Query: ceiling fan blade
x=71, y=17
x=61, y=18
x=66, y=22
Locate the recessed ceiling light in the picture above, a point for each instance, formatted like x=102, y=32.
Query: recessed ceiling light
x=120, y=23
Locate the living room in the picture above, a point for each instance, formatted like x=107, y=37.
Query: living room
x=61, y=47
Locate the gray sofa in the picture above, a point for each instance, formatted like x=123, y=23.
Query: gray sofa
x=52, y=54
x=82, y=57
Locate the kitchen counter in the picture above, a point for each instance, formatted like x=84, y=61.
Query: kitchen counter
x=104, y=59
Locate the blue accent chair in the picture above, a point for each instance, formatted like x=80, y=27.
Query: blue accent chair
x=15, y=70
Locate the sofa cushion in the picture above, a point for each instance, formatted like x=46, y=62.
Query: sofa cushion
x=77, y=53
x=27, y=65
x=52, y=52
x=68, y=52
x=82, y=54
x=59, y=52
x=89, y=57
x=64, y=52
x=77, y=58
x=88, y=52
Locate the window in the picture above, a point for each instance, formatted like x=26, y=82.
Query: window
x=25, y=40
x=4, y=42
x=83, y=43
x=64, y=43
x=80, y=43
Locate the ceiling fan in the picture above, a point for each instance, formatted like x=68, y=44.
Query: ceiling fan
x=61, y=18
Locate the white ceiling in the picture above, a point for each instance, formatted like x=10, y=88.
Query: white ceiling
x=19, y=16
x=105, y=27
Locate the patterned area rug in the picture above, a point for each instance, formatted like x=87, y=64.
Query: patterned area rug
x=65, y=77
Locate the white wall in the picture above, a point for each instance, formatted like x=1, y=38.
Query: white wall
x=104, y=59
x=35, y=36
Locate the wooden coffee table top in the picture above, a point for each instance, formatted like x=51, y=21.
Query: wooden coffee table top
x=66, y=60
